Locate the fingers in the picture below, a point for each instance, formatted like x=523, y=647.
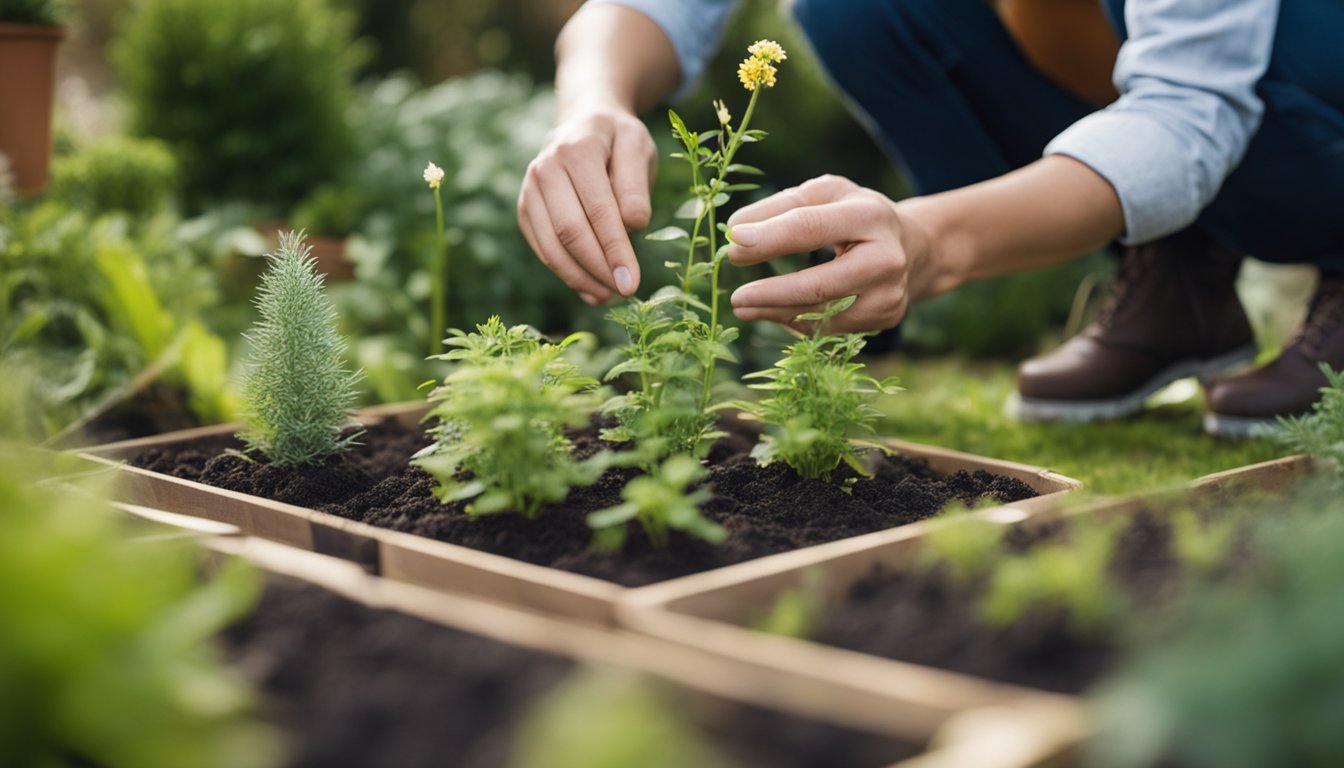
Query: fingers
x=540, y=234
x=865, y=270
x=823, y=189
x=634, y=161
x=795, y=231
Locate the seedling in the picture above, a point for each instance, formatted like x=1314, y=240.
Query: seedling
x=1202, y=546
x=297, y=392
x=1070, y=577
x=797, y=612
x=504, y=446
x=677, y=372
x=1321, y=432
x=819, y=398
x=969, y=548
x=660, y=501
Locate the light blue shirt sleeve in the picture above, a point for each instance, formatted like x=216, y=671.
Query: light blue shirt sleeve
x=1187, y=108
x=694, y=27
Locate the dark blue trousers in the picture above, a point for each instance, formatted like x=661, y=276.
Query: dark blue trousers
x=954, y=101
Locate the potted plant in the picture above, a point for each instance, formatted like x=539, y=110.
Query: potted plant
x=30, y=31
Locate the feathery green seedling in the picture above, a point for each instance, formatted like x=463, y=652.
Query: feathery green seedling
x=659, y=501
x=507, y=449
x=297, y=391
x=819, y=397
x=1321, y=432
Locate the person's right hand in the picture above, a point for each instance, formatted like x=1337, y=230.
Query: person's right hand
x=587, y=187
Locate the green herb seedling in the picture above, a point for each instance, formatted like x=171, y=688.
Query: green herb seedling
x=1321, y=432
x=506, y=448
x=297, y=392
x=1066, y=576
x=818, y=398
x=660, y=502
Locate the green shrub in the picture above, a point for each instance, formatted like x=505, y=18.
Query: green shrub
x=44, y=13
x=118, y=173
x=298, y=393
x=105, y=655
x=97, y=307
x=251, y=95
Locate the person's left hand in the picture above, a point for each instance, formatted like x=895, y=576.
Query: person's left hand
x=871, y=261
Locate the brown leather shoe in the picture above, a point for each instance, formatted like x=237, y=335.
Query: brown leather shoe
x=1291, y=384
x=1173, y=313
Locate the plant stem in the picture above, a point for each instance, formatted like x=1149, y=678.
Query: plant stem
x=439, y=281
x=725, y=159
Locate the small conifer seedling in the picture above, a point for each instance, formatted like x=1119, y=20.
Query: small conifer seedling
x=297, y=391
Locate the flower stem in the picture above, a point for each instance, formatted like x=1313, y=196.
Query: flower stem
x=439, y=281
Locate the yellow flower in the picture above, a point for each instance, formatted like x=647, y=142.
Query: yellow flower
x=755, y=72
x=722, y=111
x=433, y=176
x=767, y=50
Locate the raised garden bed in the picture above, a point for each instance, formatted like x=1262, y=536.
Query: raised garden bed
x=547, y=563
x=359, y=670
x=889, y=623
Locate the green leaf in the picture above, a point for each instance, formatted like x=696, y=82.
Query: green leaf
x=693, y=208
x=668, y=233
x=707, y=135
x=720, y=199
x=750, y=170
x=741, y=187
x=617, y=515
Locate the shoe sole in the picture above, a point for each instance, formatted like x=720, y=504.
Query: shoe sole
x=1219, y=425
x=1040, y=410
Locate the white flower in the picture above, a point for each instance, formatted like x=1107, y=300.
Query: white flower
x=724, y=116
x=433, y=176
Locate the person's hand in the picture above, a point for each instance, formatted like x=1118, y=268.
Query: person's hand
x=587, y=187
x=873, y=255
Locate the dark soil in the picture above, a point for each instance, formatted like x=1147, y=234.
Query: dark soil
x=927, y=618
x=355, y=686
x=765, y=509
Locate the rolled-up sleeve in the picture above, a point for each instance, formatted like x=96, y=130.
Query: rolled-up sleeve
x=1187, y=109
x=694, y=27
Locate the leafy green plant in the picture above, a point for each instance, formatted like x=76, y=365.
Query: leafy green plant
x=796, y=612
x=298, y=393
x=969, y=548
x=1068, y=576
x=1246, y=672
x=671, y=345
x=250, y=94
x=819, y=397
x=1202, y=546
x=117, y=173
x=668, y=349
x=1321, y=432
x=43, y=13
x=501, y=440
x=602, y=717
x=100, y=307
x=660, y=501
x=101, y=631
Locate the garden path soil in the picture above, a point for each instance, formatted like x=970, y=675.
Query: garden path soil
x=926, y=618
x=765, y=509
x=351, y=685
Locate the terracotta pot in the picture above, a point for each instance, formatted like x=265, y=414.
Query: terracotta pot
x=27, y=89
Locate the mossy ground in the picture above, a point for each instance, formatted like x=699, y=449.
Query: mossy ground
x=959, y=404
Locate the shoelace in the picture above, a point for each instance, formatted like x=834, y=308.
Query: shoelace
x=1134, y=264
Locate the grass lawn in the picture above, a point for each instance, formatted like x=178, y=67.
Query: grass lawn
x=960, y=404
